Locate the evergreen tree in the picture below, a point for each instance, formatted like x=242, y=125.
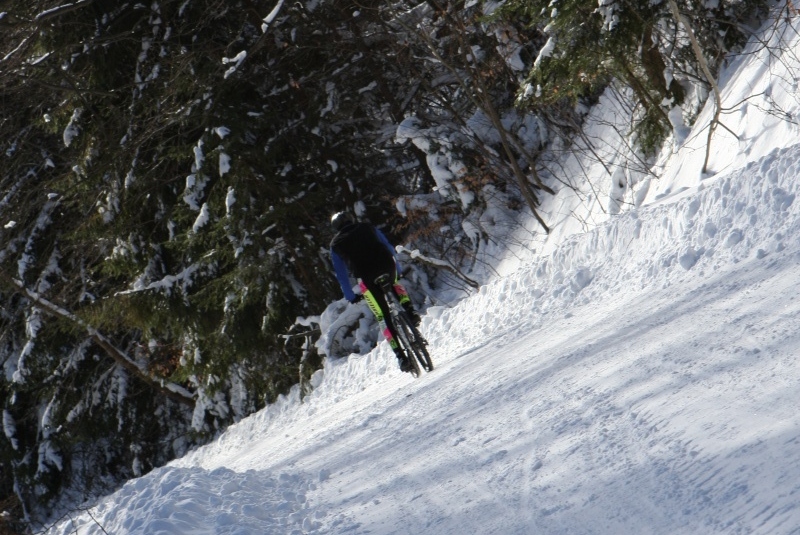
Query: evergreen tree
x=167, y=179
x=587, y=46
x=168, y=172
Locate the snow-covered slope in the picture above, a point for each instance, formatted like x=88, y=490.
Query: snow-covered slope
x=642, y=377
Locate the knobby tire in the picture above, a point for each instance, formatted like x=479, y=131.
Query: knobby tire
x=406, y=344
x=415, y=348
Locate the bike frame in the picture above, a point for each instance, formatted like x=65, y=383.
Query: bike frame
x=407, y=335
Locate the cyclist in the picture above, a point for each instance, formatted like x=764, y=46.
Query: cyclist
x=362, y=250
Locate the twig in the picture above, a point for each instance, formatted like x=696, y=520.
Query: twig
x=441, y=264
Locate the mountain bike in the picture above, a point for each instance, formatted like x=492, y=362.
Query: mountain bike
x=409, y=338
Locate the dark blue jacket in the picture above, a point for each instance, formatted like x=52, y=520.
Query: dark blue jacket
x=364, y=252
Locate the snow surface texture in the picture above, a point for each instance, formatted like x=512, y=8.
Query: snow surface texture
x=641, y=377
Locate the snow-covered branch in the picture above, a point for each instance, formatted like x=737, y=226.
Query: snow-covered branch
x=60, y=10
x=173, y=391
x=439, y=264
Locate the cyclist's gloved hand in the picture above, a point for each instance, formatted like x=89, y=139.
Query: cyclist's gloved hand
x=357, y=298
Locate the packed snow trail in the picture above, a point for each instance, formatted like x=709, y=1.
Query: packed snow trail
x=641, y=379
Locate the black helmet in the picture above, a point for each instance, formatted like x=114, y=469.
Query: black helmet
x=340, y=220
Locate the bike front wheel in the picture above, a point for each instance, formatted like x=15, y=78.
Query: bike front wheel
x=414, y=345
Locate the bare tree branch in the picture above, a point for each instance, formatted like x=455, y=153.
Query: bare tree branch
x=698, y=52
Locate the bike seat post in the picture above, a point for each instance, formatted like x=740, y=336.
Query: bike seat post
x=383, y=282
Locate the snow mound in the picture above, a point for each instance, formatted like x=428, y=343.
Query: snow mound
x=183, y=501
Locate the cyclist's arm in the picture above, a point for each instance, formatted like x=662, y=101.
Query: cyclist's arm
x=342, y=276
x=390, y=247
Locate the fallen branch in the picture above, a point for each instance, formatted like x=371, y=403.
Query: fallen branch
x=171, y=390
